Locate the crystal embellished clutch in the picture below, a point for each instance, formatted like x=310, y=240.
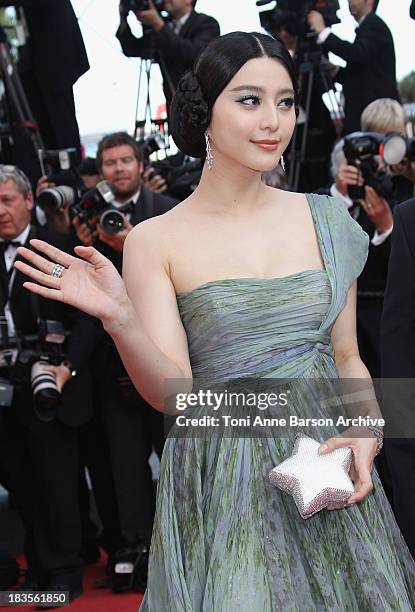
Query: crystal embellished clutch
x=315, y=481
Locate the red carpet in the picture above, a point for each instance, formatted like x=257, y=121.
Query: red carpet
x=99, y=600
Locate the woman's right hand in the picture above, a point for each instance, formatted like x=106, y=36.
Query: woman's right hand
x=91, y=284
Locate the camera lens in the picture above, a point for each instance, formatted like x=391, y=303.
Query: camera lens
x=112, y=221
x=55, y=198
x=45, y=392
x=394, y=149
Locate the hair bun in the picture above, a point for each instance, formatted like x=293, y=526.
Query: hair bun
x=189, y=116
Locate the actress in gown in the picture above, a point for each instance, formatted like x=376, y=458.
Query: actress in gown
x=243, y=280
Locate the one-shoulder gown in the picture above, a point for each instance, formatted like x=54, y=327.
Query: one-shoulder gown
x=224, y=538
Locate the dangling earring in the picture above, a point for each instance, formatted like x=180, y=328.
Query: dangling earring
x=282, y=162
x=209, y=156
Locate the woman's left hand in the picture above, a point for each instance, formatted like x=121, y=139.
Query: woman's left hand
x=364, y=452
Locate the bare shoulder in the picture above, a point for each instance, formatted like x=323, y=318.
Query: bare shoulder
x=296, y=203
x=296, y=199
x=155, y=228
x=158, y=236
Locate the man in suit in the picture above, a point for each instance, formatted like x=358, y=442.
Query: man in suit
x=51, y=60
x=131, y=426
x=398, y=362
x=374, y=214
x=175, y=44
x=38, y=447
x=370, y=72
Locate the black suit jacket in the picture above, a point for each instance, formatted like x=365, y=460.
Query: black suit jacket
x=370, y=72
x=412, y=9
x=175, y=53
x=398, y=323
x=397, y=363
x=55, y=50
x=373, y=277
x=76, y=406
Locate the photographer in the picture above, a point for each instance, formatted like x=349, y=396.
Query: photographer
x=370, y=71
x=174, y=44
x=52, y=57
x=374, y=214
x=82, y=178
x=131, y=427
x=120, y=163
x=39, y=439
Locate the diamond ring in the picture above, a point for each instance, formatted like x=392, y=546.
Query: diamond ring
x=57, y=271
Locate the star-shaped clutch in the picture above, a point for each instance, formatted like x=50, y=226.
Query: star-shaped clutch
x=314, y=480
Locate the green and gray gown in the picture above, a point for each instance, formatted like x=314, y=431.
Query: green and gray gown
x=225, y=539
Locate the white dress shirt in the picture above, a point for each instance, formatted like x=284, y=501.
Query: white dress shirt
x=133, y=200
x=9, y=257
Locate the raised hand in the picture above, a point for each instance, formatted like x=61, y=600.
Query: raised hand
x=91, y=284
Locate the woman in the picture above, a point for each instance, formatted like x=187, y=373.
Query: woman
x=242, y=280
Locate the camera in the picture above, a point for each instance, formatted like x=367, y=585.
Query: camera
x=130, y=568
x=292, y=15
x=361, y=150
x=95, y=208
x=151, y=144
x=27, y=358
x=181, y=180
x=57, y=198
x=60, y=167
x=141, y=5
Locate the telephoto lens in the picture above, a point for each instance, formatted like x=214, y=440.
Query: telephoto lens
x=45, y=392
x=56, y=198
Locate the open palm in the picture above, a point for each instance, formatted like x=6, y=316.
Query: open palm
x=91, y=284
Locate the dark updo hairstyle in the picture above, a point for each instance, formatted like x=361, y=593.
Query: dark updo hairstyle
x=198, y=89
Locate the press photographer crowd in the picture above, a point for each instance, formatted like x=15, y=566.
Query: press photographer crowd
x=72, y=424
